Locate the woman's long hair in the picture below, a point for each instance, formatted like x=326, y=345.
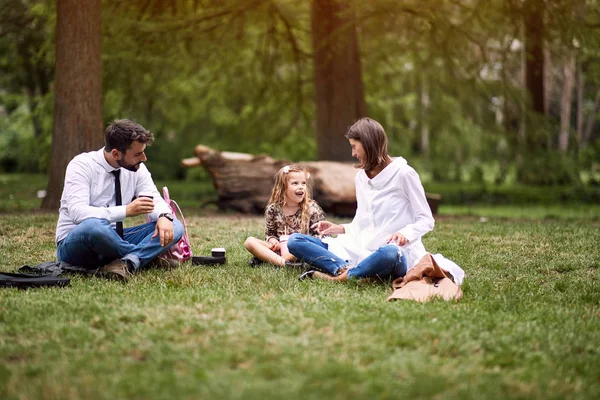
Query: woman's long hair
x=278, y=192
x=372, y=136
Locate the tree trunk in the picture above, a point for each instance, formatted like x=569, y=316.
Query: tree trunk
x=534, y=58
x=566, y=101
x=579, y=104
x=522, y=103
x=423, y=107
x=548, y=80
x=337, y=76
x=78, y=89
x=587, y=133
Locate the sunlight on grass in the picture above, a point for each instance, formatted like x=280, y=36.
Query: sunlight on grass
x=527, y=327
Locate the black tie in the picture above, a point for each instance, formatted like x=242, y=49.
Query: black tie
x=116, y=173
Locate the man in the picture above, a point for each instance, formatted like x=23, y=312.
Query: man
x=89, y=232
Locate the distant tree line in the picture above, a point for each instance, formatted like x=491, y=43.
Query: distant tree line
x=467, y=86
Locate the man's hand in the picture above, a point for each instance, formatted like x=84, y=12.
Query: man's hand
x=328, y=228
x=164, y=228
x=397, y=238
x=141, y=205
x=274, y=244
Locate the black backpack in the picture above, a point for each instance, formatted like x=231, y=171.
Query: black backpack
x=24, y=281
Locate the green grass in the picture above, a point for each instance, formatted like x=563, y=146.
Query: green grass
x=527, y=327
x=590, y=212
x=18, y=192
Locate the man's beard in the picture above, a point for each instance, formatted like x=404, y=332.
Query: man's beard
x=129, y=167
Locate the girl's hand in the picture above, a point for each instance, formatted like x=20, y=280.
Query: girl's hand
x=274, y=244
x=328, y=228
x=397, y=238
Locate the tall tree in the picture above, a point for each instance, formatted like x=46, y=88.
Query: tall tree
x=78, y=89
x=534, y=50
x=337, y=76
x=566, y=101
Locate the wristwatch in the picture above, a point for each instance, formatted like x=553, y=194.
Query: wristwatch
x=168, y=216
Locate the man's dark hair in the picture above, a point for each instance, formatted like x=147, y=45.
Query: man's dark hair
x=122, y=133
x=372, y=136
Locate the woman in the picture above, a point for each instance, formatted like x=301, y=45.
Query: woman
x=384, y=238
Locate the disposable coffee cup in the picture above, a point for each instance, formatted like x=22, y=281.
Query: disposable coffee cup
x=218, y=252
x=283, y=239
x=146, y=195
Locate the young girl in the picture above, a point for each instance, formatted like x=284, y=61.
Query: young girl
x=290, y=210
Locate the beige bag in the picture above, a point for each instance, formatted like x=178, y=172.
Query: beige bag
x=425, y=281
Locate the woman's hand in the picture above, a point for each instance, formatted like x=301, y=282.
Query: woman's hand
x=397, y=238
x=328, y=228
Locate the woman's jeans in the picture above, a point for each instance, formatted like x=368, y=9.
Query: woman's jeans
x=94, y=243
x=387, y=261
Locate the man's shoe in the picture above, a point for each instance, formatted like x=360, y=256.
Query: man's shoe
x=117, y=270
x=161, y=262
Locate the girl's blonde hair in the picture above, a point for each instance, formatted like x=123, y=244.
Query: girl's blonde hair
x=278, y=192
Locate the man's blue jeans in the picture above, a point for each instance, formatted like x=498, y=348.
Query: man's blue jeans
x=388, y=261
x=94, y=243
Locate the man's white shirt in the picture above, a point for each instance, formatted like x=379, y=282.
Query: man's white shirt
x=89, y=192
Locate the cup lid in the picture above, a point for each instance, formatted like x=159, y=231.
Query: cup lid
x=221, y=249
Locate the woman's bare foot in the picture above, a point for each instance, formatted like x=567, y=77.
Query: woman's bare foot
x=343, y=277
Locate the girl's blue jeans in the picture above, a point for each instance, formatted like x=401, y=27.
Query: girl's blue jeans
x=94, y=243
x=388, y=261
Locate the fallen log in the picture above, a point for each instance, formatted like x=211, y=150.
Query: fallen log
x=244, y=181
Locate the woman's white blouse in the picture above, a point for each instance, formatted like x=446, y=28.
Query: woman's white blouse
x=392, y=201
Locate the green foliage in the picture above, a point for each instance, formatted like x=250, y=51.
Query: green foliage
x=21, y=150
x=527, y=326
x=513, y=194
x=238, y=91
x=549, y=168
x=237, y=75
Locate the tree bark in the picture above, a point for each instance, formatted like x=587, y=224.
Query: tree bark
x=522, y=102
x=548, y=80
x=591, y=120
x=337, y=77
x=423, y=107
x=579, y=84
x=78, y=89
x=566, y=101
x=534, y=50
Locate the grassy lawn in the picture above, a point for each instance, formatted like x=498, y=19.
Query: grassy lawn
x=527, y=327
x=589, y=212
